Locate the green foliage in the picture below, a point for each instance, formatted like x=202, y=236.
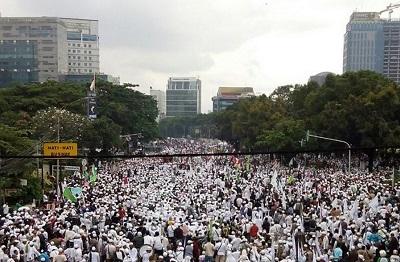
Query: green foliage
x=33, y=107
x=133, y=111
x=102, y=133
x=360, y=107
x=12, y=140
x=285, y=136
x=47, y=123
x=30, y=113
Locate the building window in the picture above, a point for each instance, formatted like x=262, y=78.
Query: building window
x=90, y=58
x=73, y=44
x=90, y=70
x=90, y=64
x=74, y=57
x=79, y=57
x=84, y=45
x=90, y=52
x=90, y=45
x=85, y=51
x=69, y=50
x=85, y=57
x=78, y=45
x=69, y=63
x=85, y=64
x=69, y=57
x=79, y=64
x=74, y=51
x=79, y=51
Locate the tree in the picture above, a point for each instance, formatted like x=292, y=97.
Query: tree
x=103, y=134
x=133, y=111
x=13, y=141
x=47, y=124
x=362, y=108
x=285, y=136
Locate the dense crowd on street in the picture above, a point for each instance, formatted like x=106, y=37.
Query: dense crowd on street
x=213, y=208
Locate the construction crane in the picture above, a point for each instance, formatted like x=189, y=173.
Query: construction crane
x=390, y=9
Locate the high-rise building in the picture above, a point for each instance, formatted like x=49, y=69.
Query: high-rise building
x=372, y=43
x=183, y=96
x=228, y=96
x=391, y=52
x=363, y=43
x=32, y=49
x=159, y=96
x=83, y=45
x=37, y=49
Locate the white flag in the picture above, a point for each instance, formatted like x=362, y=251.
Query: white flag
x=374, y=203
x=93, y=84
x=354, y=210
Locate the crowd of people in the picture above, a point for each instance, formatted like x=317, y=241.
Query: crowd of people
x=212, y=208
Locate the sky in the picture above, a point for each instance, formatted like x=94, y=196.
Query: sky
x=258, y=43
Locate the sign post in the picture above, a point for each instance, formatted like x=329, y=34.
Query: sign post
x=63, y=150
x=59, y=150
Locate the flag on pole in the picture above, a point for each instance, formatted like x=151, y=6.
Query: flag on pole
x=373, y=204
x=93, y=176
x=354, y=210
x=93, y=84
x=85, y=175
x=68, y=195
x=291, y=180
x=248, y=163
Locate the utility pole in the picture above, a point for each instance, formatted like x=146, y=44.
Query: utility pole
x=58, y=160
x=308, y=135
x=37, y=160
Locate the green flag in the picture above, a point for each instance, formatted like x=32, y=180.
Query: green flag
x=68, y=195
x=291, y=180
x=248, y=163
x=93, y=176
x=395, y=176
x=85, y=175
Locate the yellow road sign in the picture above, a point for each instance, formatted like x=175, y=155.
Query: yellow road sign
x=60, y=149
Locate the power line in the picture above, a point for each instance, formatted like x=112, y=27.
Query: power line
x=249, y=153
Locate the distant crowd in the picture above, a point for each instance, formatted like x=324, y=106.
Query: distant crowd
x=215, y=208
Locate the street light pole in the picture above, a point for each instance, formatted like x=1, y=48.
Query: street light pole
x=335, y=140
x=58, y=160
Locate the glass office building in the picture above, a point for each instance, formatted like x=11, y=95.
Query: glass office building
x=183, y=97
x=391, y=52
x=372, y=43
x=363, y=43
x=18, y=61
x=32, y=49
x=37, y=49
